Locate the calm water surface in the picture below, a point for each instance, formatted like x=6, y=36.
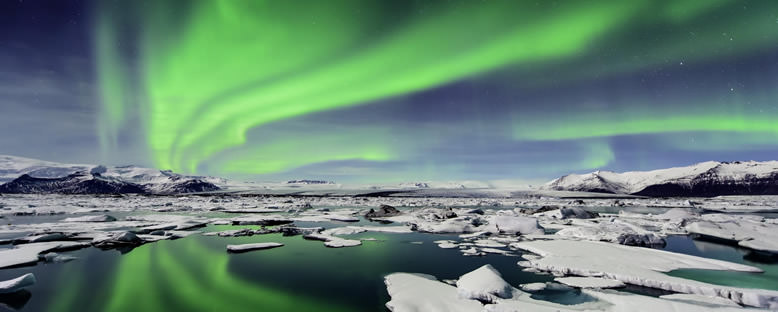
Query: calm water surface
x=197, y=274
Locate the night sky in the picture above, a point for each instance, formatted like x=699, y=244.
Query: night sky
x=384, y=91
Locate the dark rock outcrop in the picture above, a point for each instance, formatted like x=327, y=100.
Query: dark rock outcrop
x=78, y=183
x=383, y=211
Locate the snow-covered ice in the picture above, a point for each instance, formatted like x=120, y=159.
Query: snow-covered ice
x=28, y=253
x=16, y=284
x=254, y=246
x=589, y=282
x=484, y=284
x=749, y=233
x=642, y=267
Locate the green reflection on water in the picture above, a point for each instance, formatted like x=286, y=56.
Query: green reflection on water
x=184, y=275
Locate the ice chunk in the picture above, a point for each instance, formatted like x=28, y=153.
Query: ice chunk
x=640, y=266
x=417, y=292
x=484, y=284
x=533, y=286
x=748, y=233
x=28, y=253
x=333, y=241
x=99, y=218
x=16, y=284
x=589, y=282
x=383, y=211
x=249, y=247
x=518, y=225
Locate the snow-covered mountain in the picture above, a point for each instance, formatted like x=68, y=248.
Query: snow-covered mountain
x=26, y=175
x=703, y=179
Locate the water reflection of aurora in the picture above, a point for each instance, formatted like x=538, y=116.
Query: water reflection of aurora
x=197, y=274
x=184, y=275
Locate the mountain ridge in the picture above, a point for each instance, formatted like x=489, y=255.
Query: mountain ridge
x=27, y=175
x=703, y=179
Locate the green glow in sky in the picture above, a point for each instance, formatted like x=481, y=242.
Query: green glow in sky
x=232, y=66
x=281, y=154
x=605, y=126
x=213, y=70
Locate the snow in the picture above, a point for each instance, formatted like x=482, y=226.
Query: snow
x=418, y=292
x=615, y=231
x=635, y=181
x=43, y=237
x=333, y=241
x=484, y=284
x=533, y=286
x=455, y=225
x=752, y=234
x=678, y=214
x=489, y=243
x=100, y=218
x=701, y=300
x=589, y=282
x=480, y=219
x=640, y=266
x=16, y=284
x=446, y=244
x=518, y=225
x=11, y=167
x=349, y=230
x=626, y=302
x=568, y=213
x=255, y=246
x=28, y=253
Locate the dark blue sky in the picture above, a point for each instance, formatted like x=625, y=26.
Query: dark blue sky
x=677, y=84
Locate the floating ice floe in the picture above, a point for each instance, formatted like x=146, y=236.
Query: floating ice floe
x=333, y=241
x=16, y=284
x=262, y=220
x=533, y=287
x=98, y=218
x=250, y=247
x=589, y=282
x=253, y=210
x=446, y=244
x=749, y=233
x=569, y=213
x=640, y=266
x=520, y=225
x=615, y=231
x=29, y=253
x=418, y=292
x=484, y=284
x=701, y=300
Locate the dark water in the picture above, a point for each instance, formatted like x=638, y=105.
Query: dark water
x=717, y=250
x=197, y=274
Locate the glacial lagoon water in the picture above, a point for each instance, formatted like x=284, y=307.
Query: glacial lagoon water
x=197, y=274
x=721, y=251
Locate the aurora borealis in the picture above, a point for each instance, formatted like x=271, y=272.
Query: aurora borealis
x=412, y=90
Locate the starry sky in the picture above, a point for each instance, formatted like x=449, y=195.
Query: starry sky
x=385, y=91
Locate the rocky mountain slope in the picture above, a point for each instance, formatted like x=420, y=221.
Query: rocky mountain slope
x=25, y=175
x=703, y=179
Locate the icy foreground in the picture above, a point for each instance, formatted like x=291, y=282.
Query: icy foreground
x=640, y=266
x=418, y=292
x=585, y=249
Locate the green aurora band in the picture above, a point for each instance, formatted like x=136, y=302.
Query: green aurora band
x=213, y=71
